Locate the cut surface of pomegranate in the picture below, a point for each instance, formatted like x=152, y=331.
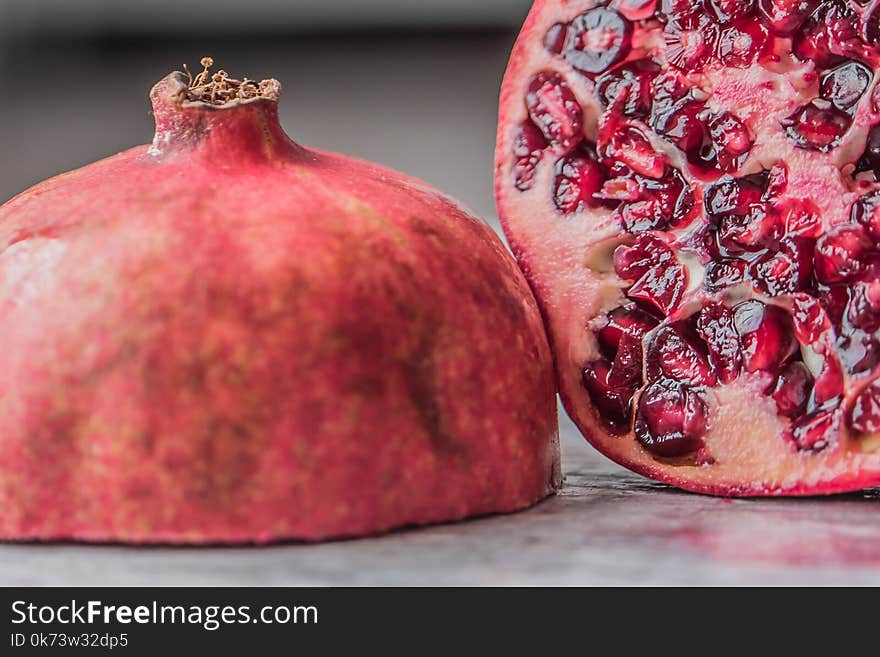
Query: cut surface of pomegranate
x=737, y=160
x=227, y=337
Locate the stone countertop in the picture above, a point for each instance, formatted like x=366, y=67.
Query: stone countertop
x=607, y=526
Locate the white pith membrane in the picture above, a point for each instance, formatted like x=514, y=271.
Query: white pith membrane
x=747, y=449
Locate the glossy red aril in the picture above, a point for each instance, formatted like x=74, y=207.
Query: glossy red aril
x=870, y=159
x=672, y=354
x=226, y=337
x=630, y=147
x=766, y=335
x=817, y=431
x=731, y=140
x=740, y=211
x=671, y=419
x=726, y=11
x=818, y=125
x=651, y=202
x=845, y=85
x=740, y=43
x=635, y=10
x=629, y=87
x=657, y=279
x=554, y=109
x=783, y=17
x=864, y=416
x=528, y=149
x=829, y=35
x=596, y=40
x=786, y=271
x=577, y=180
x=791, y=390
x=840, y=254
x=866, y=211
x=716, y=326
x=690, y=48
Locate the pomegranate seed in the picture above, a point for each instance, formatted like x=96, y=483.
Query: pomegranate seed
x=726, y=11
x=810, y=319
x=628, y=88
x=683, y=124
x=667, y=89
x=777, y=180
x=627, y=368
x=554, y=109
x=722, y=274
x=783, y=17
x=800, y=218
x=791, y=389
x=863, y=310
x=647, y=253
x=635, y=10
x=670, y=420
x=755, y=231
x=623, y=320
x=621, y=340
x=829, y=35
x=735, y=196
x=829, y=383
x=845, y=85
x=658, y=278
x=528, y=147
x=871, y=29
x=817, y=126
x=691, y=48
x=766, y=336
x=839, y=254
x=859, y=351
x=554, y=40
x=597, y=39
x=741, y=43
x=870, y=159
x=816, y=431
x=864, y=415
x=672, y=355
x=731, y=139
x=787, y=270
x=681, y=14
x=630, y=146
x=834, y=300
x=866, y=211
x=613, y=403
x=577, y=179
x=658, y=204
x=716, y=327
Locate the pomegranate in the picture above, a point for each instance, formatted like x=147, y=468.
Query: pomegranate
x=714, y=307
x=228, y=337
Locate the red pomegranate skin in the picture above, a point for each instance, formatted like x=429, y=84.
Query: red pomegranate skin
x=748, y=447
x=226, y=337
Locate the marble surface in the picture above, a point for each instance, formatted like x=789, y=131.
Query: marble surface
x=607, y=526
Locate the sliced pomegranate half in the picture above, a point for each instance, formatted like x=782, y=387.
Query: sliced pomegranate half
x=692, y=188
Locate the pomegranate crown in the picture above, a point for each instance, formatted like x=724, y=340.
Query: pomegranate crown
x=219, y=88
x=223, y=118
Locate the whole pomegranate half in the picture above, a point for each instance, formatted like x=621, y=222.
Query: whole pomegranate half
x=692, y=190
x=228, y=337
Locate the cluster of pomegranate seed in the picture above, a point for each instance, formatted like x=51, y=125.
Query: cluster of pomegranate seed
x=787, y=301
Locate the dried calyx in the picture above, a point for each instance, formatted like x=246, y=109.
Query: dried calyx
x=219, y=89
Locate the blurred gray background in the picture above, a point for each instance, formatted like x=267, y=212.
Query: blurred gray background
x=412, y=85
